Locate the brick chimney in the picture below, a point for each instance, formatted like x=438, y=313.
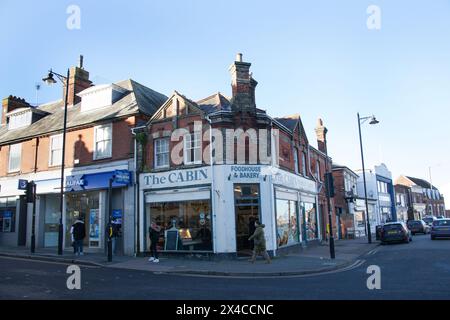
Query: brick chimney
x=321, y=133
x=10, y=104
x=78, y=81
x=242, y=85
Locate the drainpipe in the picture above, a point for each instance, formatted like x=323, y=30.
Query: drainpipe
x=213, y=188
x=137, y=240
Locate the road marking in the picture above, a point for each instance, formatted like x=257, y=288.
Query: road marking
x=372, y=252
x=354, y=265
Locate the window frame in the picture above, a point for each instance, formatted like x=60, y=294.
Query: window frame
x=51, y=150
x=304, y=165
x=109, y=155
x=296, y=162
x=17, y=169
x=155, y=158
x=190, y=148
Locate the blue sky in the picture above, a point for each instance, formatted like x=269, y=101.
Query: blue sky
x=316, y=58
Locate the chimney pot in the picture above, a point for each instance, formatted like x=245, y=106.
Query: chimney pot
x=239, y=57
x=81, y=61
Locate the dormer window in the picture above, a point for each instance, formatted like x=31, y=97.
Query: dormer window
x=19, y=118
x=100, y=96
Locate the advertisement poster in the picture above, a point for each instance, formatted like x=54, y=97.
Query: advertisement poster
x=94, y=225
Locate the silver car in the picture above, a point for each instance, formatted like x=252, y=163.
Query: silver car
x=440, y=229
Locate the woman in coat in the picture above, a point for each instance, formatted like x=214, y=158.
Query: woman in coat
x=259, y=241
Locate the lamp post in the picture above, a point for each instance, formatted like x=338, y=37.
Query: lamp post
x=65, y=81
x=373, y=120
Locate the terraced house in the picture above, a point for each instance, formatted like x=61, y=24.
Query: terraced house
x=213, y=166
x=99, y=141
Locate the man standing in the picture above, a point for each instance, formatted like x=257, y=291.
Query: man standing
x=154, y=232
x=79, y=233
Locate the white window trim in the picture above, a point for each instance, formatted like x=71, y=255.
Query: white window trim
x=185, y=149
x=11, y=170
x=155, y=154
x=96, y=157
x=50, y=164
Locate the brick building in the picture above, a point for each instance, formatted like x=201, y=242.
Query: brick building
x=345, y=181
x=99, y=141
x=262, y=168
x=427, y=197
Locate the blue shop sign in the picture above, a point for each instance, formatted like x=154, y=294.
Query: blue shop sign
x=95, y=181
x=122, y=176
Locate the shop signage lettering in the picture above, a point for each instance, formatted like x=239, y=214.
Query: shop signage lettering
x=75, y=182
x=176, y=177
x=243, y=172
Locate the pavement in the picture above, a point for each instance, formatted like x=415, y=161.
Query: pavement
x=313, y=259
x=419, y=270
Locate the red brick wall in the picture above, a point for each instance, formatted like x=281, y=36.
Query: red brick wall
x=79, y=143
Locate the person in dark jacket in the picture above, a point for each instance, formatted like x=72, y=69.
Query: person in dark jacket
x=78, y=233
x=259, y=243
x=154, y=231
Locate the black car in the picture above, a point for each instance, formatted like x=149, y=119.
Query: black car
x=395, y=232
x=418, y=226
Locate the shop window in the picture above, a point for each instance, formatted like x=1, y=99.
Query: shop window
x=103, y=141
x=15, y=155
x=191, y=219
x=161, y=153
x=192, y=148
x=311, y=227
x=287, y=223
x=55, y=156
x=8, y=214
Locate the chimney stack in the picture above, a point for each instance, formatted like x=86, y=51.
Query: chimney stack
x=242, y=85
x=321, y=133
x=78, y=81
x=12, y=103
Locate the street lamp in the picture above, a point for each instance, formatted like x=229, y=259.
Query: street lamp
x=65, y=81
x=373, y=120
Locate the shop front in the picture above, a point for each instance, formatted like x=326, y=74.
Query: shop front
x=180, y=203
x=86, y=199
x=208, y=210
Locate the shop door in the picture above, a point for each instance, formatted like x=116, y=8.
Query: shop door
x=247, y=211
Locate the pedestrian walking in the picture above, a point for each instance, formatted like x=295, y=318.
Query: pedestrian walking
x=78, y=234
x=259, y=241
x=154, y=231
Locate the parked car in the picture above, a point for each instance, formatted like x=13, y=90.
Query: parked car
x=418, y=226
x=441, y=217
x=429, y=220
x=440, y=229
x=395, y=232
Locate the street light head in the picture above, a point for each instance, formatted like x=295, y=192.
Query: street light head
x=374, y=120
x=49, y=79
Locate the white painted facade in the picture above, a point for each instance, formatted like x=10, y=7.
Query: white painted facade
x=216, y=183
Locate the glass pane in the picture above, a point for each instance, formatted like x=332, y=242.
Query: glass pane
x=191, y=219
